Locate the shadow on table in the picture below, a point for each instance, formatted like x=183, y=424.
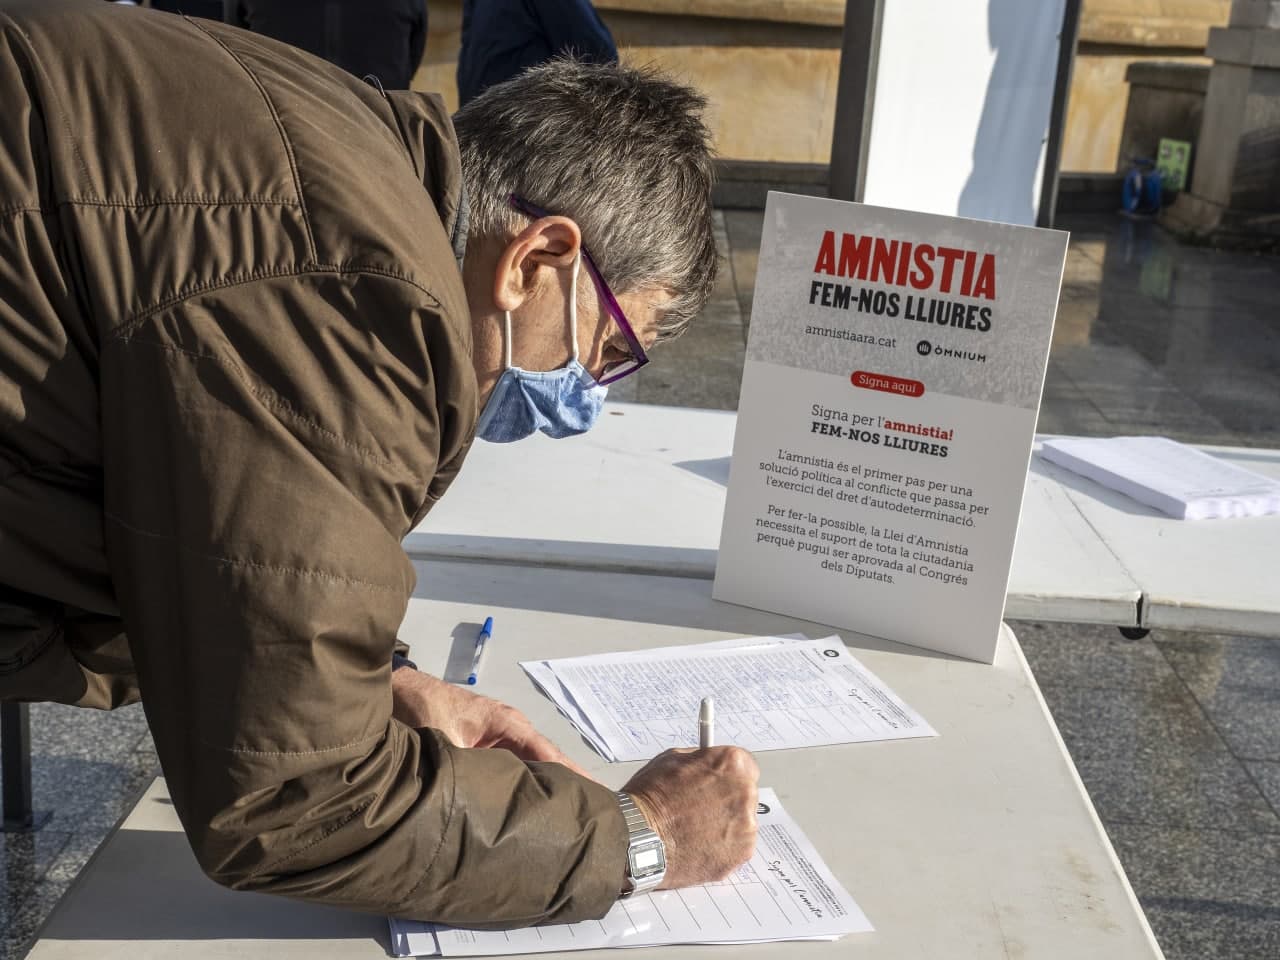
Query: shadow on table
x=567, y=554
x=146, y=885
x=461, y=652
x=1094, y=491
x=1251, y=455
x=715, y=469
x=684, y=602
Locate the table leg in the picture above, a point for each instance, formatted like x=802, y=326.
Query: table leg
x=1133, y=633
x=15, y=769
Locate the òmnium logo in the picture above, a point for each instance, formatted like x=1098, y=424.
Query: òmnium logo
x=925, y=348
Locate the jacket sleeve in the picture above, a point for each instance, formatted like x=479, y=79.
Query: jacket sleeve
x=56, y=653
x=265, y=448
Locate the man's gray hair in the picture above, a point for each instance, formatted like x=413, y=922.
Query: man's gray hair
x=622, y=152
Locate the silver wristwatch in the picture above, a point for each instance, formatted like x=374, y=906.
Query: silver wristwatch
x=646, y=857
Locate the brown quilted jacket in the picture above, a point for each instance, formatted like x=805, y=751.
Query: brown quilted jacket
x=234, y=371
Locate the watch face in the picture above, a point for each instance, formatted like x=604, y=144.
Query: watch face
x=647, y=860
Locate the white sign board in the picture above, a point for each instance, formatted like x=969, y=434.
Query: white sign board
x=888, y=406
x=963, y=97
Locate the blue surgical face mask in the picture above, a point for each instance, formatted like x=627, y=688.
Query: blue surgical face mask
x=560, y=403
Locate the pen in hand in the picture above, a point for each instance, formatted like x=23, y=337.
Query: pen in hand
x=481, y=641
x=707, y=723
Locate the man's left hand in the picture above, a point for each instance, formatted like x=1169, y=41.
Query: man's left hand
x=468, y=719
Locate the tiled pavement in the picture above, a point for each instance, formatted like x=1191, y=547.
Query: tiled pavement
x=88, y=768
x=1176, y=736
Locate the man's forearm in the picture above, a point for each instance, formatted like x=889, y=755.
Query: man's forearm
x=413, y=699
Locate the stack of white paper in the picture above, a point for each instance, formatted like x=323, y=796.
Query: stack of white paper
x=785, y=892
x=770, y=693
x=1181, y=481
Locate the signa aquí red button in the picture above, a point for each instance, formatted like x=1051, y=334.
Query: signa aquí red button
x=886, y=383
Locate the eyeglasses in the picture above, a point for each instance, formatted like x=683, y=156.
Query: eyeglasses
x=615, y=371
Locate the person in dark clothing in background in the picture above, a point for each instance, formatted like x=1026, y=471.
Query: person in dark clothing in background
x=384, y=38
x=501, y=38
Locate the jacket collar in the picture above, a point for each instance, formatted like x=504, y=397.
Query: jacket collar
x=429, y=136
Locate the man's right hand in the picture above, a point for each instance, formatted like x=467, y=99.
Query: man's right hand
x=702, y=803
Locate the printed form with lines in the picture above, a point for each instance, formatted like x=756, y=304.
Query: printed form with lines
x=785, y=892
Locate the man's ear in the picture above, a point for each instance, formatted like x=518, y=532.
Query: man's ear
x=532, y=258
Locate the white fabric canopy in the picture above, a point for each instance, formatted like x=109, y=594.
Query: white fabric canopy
x=963, y=95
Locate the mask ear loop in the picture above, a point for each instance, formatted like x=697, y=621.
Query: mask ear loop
x=573, y=316
x=573, y=305
x=506, y=342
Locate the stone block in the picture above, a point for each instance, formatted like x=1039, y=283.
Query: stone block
x=829, y=13
x=1266, y=48
x=1096, y=108
x=1259, y=14
x=1169, y=75
x=1204, y=221
x=1151, y=23
x=1229, y=44
x=1237, y=176
x=1256, y=183
x=1220, y=132
x=1165, y=100
x=1244, y=46
x=744, y=185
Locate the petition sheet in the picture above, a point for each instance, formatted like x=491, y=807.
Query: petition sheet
x=785, y=892
x=770, y=694
x=544, y=677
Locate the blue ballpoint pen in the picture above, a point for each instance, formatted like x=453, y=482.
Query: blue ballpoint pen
x=485, y=633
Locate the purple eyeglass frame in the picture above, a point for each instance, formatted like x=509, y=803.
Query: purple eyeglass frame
x=638, y=357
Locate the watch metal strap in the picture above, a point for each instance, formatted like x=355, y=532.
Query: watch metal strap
x=638, y=831
x=637, y=826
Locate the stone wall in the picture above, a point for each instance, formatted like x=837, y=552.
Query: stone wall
x=771, y=80
x=770, y=67
x=1165, y=100
x=1113, y=35
x=1235, y=187
x=1171, y=24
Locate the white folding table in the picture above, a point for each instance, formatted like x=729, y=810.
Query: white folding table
x=1213, y=576
x=644, y=491
x=980, y=843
